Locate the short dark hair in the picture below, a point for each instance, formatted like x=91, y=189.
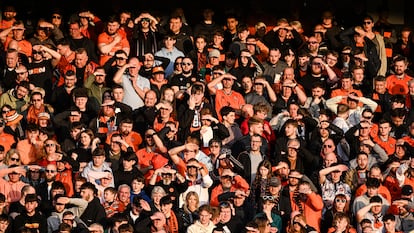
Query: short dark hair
x=224, y=111
x=372, y=183
x=165, y=200
x=89, y=185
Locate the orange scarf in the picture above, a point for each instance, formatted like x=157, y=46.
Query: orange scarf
x=172, y=223
x=32, y=114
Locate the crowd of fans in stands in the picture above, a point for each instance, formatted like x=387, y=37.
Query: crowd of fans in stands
x=140, y=123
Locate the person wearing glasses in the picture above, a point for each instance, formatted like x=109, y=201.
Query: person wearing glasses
x=228, y=221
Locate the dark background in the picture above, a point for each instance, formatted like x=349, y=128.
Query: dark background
x=347, y=12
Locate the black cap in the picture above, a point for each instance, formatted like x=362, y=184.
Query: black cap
x=406, y=190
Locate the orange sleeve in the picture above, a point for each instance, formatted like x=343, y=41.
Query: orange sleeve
x=241, y=183
x=214, y=196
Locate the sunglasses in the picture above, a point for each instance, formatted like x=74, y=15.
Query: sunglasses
x=327, y=146
x=5, y=111
x=120, y=58
x=15, y=159
x=270, y=198
x=56, y=17
x=50, y=171
x=226, y=177
x=367, y=22
x=36, y=52
x=21, y=73
x=340, y=200
x=191, y=166
x=166, y=174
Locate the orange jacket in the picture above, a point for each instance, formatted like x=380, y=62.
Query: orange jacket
x=65, y=177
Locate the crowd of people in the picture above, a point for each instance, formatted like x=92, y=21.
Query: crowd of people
x=138, y=123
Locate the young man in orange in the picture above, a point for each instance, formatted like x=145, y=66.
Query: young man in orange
x=112, y=40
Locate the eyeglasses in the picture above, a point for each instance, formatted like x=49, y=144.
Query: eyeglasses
x=340, y=200
x=15, y=159
x=5, y=111
x=327, y=146
x=145, y=20
x=186, y=64
x=50, y=171
x=56, y=17
x=36, y=52
x=21, y=73
x=50, y=145
x=367, y=22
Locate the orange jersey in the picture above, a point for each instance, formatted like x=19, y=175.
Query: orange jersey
x=234, y=100
x=105, y=39
x=388, y=146
x=398, y=86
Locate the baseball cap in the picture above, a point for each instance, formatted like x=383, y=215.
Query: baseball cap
x=406, y=190
x=157, y=69
x=275, y=182
x=214, y=53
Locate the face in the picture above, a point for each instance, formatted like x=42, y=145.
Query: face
x=86, y=194
x=118, y=94
x=100, y=78
x=256, y=128
x=245, y=58
x=50, y=146
x=187, y=65
x=168, y=95
x=166, y=209
x=175, y=25
x=247, y=83
x=368, y=25
x=256, y=143
x=30, y=206
x=264, y=171
x=232, y=24
x=70, y=81
x=124, y=194
x=313, y=44
x=205, y=217
x=156, y=197
x=290, y=130
x=37, y=101
x=274, y=56
x=81, y=59
x=340, y=203
x=21, y=92
x=225, y=215
x=384, y=129
x=14, y=159
x=98, y=160
x=150, y=99
x=50, y=172
x=137, y=185
x=400, y=67
x=362, y=161
x=126, y=128
x=85, y=139
x=316, y=66
x=112, y=28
